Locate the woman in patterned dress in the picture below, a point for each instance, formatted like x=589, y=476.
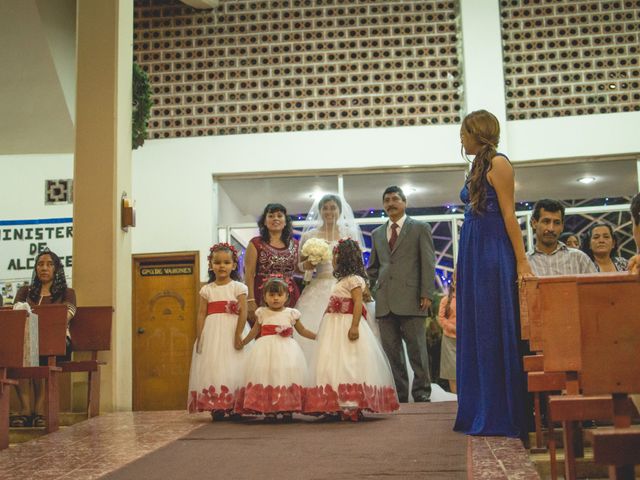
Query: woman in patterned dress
x=273, y=253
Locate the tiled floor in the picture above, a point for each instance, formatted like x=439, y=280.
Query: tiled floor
x=498, y=458
x=103, y=444
x=95, y=447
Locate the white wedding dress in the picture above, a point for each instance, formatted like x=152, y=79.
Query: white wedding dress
x=315, y=298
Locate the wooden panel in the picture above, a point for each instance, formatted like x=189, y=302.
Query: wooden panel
x=610, y=317
x=545, y=382
x=164, y=328
x=578, y=407
x=619, y=446
x=91, y=329
x=560, y=324
x=530, y=312
x=12, y=324
x=533, y=363
x=52, y=329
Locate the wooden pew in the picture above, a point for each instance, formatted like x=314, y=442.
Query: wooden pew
x=620, y=449
x=539, y=382
x=12, y=323
x=52, y=329
x=591, y=331
x=90, y=332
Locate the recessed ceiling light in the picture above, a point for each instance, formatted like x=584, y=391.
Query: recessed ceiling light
x=587, y=180
x=408, y=189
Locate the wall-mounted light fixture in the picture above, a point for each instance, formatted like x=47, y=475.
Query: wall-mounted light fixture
x=127, y=213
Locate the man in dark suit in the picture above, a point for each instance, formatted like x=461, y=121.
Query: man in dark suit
x=402, y=272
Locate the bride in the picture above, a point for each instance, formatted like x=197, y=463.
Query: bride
x=330, y=218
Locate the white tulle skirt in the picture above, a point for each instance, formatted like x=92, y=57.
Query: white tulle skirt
x=217, y=373
x=275, y=377
x=312, y=304
x=349, y=374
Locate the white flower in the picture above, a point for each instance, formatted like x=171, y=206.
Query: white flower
x=316, y=251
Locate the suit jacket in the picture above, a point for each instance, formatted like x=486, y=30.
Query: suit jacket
x=400, y=277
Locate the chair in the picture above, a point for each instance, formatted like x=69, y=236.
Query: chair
x=52, y=328
x=13, y=325
x=90, y=332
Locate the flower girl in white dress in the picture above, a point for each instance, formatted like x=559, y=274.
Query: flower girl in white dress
x=330, y=218
x=350, y=372
x=217, y=362
x=276, y=373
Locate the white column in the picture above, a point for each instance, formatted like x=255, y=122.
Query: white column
x=482, y=60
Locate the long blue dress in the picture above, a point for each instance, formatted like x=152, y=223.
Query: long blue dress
x=490, y=379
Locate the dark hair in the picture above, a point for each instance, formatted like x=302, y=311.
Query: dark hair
x=223, y=247
x=349, y=259
x=586, y=242
x=288, y=228
x=484, y=127
x=635, y=209
x=394, y=189
x=564, y=236
x=59, y=285
x=274, y=285
x=549, y=205
x=330, y=197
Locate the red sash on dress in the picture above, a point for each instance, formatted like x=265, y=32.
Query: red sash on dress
x=223, y=306
x=276, y=330
x=343, y=305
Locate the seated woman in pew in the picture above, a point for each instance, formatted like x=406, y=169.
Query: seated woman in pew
x=48, y=285
x=601, y=245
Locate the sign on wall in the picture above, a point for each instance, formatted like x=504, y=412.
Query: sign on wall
x=20, y=243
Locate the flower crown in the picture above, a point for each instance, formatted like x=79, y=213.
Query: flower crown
x=223, y=246
x=341, y=241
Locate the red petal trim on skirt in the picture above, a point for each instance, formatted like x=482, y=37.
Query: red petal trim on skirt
x=209, y=399
x=324, y=398
x=270, y=399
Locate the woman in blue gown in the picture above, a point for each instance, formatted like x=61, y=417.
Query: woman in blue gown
x=491, y=263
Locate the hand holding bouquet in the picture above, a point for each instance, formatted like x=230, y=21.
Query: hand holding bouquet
x=315, y=250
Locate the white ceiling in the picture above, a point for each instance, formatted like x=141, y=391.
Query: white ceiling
x=432, y=188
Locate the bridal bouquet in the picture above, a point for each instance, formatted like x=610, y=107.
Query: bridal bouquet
x=316, y=251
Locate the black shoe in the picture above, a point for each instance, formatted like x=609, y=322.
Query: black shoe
x=217, y=415
x=421, y=399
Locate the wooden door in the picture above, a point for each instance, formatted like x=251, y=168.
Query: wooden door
x=165, y=290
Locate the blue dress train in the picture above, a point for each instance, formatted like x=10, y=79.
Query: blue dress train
x=490, y=379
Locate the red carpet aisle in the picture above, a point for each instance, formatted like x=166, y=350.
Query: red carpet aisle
x=416, y=443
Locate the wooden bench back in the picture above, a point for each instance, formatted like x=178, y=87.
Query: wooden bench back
x=52, y=329
x=91, y=329
x=560, y=324
x=610, y=333
x=12, y=324
x=591, y=325
x=530, y=315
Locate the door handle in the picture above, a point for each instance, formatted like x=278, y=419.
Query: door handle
x=140, y=330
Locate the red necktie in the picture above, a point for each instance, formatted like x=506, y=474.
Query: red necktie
x=394, y=235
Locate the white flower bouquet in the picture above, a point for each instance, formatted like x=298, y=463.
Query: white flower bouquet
x=315, y=250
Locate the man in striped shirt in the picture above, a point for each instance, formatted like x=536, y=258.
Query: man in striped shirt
x=550, y=256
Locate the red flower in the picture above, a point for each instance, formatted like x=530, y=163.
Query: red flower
x=232, y=307
x=335, y=305
x=284, y=331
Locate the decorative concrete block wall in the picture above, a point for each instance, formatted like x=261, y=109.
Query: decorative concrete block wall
x=253, y=66
x=571, y=57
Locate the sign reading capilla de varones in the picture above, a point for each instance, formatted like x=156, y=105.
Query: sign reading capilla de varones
x=157, y=270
